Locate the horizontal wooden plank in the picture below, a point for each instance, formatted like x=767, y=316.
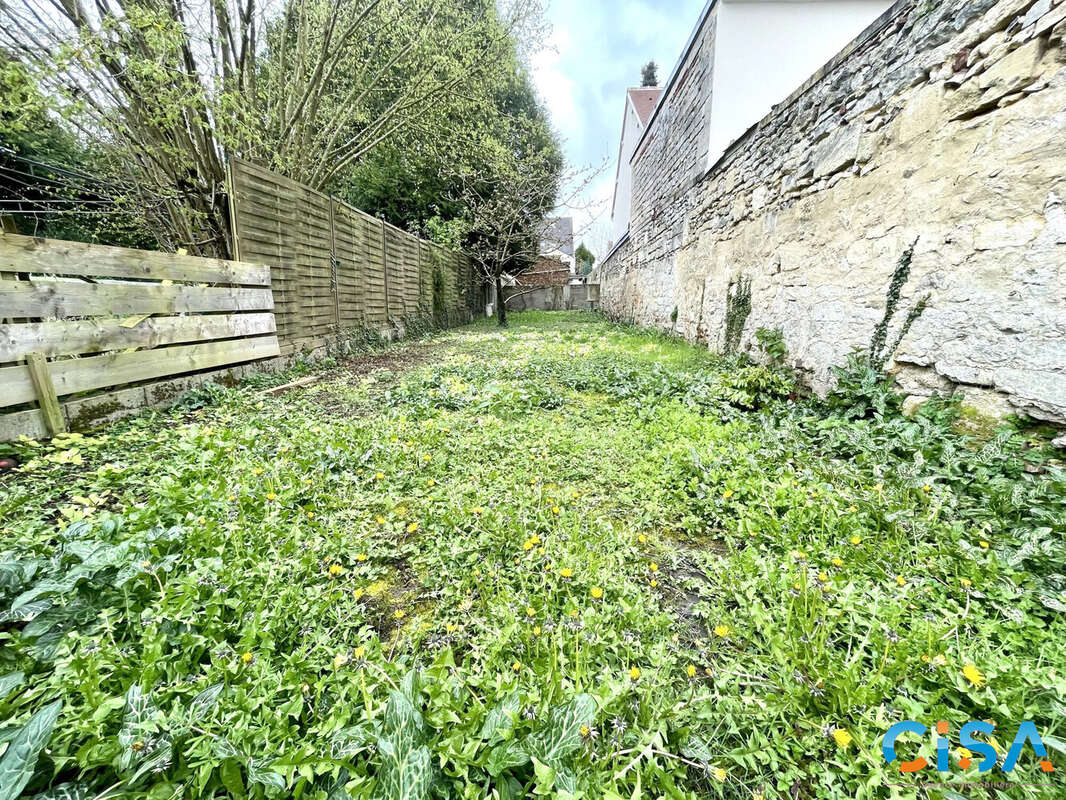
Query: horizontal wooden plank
x=101, y=335
x=118, y=369
x=53, y=257
x=61, y=299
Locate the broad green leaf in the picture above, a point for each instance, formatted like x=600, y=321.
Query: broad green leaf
x=66, y=791
x=258, y=773
x=562, y=735
x=500, y=719
x=544, y=779
x=506, y=756
x=204, y=702
x=9, y=682
x=20, y=758
x=408, y=778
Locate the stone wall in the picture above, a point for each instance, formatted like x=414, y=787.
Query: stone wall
x=547, y=298
x=944, y=123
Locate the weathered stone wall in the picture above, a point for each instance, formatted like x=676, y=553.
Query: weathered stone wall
x=946, y=123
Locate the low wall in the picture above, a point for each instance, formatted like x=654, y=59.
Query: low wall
x=944, y=123
x=547, y=298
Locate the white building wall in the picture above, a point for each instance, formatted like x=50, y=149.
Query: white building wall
x=766, y=49
x=623, y=197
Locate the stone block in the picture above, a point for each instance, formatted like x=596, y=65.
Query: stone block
x=838, y=151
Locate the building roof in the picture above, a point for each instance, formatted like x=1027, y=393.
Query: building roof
x=559, y=237
x=644, y=101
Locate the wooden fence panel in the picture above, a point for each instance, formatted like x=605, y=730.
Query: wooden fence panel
x=333, y=266
x=87, y=317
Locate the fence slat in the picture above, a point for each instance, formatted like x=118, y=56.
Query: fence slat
x=71, y=299
x=117, y=369
x=53, y=257
x=99, y=336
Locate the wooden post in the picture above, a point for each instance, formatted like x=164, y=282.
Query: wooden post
x=47, y=398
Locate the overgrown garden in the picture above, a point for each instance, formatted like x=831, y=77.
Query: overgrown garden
x=563, y=559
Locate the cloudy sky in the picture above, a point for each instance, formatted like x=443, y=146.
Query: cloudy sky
x=596, y=51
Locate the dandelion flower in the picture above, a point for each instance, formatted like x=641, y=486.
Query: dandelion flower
x=247, y=658
x=477, y=511
x=380, y=520
x=842, y=738
x=901, y=580
x=379, y=476
x=585, y=731
x=516, y=666
x=728, y=494
x=966, y=582
x=718, y=774
x=653, y=583
x=566, y=572
x=940, y=660
x=596, y=592
x=838, y=562
x=536, y=630
x=690, y=670
x=642, y=538
x=359, y=652
x=856, y=540
x=823, y=577
x=310, y=514
x=984, y=545
x=271, y=496
x=927, y=488
x=399, y=613
x=722, y=631
x=335, y=570
x=556, y=510
x=530, y=611
x=431, y=482
x=359, y=594
x=361, y=557
x=973, y=675
x=653, y=567
x=634, y=673
x=412, y=527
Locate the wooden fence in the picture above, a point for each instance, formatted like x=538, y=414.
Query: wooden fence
x=334, y=267
x=78, y=318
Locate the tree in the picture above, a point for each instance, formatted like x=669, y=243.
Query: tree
x=649, y=74
x=584, y=258
x=173, y=89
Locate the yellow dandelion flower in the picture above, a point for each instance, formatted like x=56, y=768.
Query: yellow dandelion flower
x=901, y=580
x=399, y=613
x=653, y=567
x=642, y=538
x=380, y=520
x=335, y=570
x=690, y=670
x=927, y=488
x=856, y=540
x=232, y=497
x=412, y=527
x=310, y=514
x=966, y=582
x=530, y=611
x=973, y=675
x=596, y=592
x=516, y=666
x=653, y=583
x=852, y=509
x=359, y=594
x=536, y=631
x=556, y=510
x=728, y=494
x=823, y=577
x=477, y=511
x=838, y=562
x=431, y=482
x=940, y=660
x=247, y=658
x=257, y=471
x=722, y=631
x=359, y=652
x=719, y=774
x=379, y=476
x=985, y=545
x=527, y=544
x=585, y=731
x=451, y=628
x=271, y=496
x=361, y=557
x=566, y=572
x=634, y=673
x=842, y=738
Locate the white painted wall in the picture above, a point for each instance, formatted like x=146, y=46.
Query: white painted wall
x=766, y=49
x=623, y=189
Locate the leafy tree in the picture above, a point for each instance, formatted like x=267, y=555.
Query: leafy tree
x=585, y=259
x=649, y=74
x=309, y=89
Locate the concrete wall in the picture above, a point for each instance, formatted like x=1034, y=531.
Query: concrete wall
x=766, y=49
x=944, y=122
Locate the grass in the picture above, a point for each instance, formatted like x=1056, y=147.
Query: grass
x=568, y=559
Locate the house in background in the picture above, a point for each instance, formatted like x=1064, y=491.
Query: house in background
x=762, y=51
x=556, y=264
x=640, y=103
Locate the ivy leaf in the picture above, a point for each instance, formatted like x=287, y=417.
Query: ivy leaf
x=562, y=735
x=20, y=758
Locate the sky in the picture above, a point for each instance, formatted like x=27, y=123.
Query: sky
x=595, y=53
